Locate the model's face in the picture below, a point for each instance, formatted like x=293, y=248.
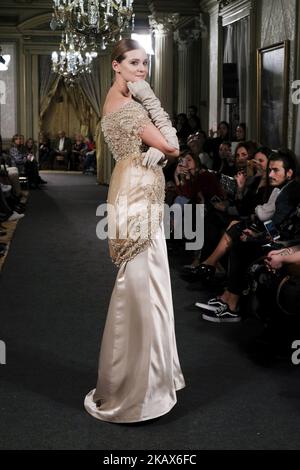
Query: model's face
x=261, y=163
x=134, y=67
x=241, y=156
x=277, y=173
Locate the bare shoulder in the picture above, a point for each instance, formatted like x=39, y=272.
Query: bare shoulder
x=114, y=103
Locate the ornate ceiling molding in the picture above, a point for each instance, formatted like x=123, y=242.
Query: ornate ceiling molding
x=225, y=3
x=235, y=10
x=163, y=24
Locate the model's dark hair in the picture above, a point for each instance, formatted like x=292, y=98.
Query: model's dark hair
x=123, y=46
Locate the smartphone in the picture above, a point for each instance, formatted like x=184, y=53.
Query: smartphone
x=272, y=230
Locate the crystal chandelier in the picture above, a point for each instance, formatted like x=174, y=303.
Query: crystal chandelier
x=86, y=24
x=106, y=18
x=73, y=58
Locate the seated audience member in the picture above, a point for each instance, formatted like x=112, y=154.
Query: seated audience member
x=193, y=118
x=277, y=297
x=90, y=163
x=193, y=182
x=61, y=150
x=44, y=152
x=183, y=128
x=257, y=194
x=250, y=246
x=78, y=152
x=240, y=132
x=194, y=124
x=215, y=140
x=31, y=165
x=227, y=161
x=25, y=162
x=7, y=213
x=195, y=143
x=17, y=154
x=30, y=147
x=244, y=154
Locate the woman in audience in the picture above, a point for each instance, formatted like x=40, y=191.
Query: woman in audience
x=90, y=163
x=240, y=132
x=196, y=143
x=30, y=147
x=214, y=141
x=183, y=128
x=78, y=152
x=44, y=152
x=25, y=161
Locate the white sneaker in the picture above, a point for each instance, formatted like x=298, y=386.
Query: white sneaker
x=15, y=216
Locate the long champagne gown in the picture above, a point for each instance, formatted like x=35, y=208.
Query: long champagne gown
x=139, y=371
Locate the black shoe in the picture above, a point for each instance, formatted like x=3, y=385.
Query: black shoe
x=41, y=181
x=206, y=272
x=203, y=272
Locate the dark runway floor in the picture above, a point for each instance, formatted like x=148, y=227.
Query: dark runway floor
x=54, y=293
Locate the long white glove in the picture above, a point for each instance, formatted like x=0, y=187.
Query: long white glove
x=153, y=157
x=142, y=91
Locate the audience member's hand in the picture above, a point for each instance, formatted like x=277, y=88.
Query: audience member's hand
x=274, y=261
x=247, y=233
x=220, y=206
x=181, y=170
x=240, y=178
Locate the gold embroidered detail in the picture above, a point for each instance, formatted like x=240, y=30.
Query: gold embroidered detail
x=122, y=130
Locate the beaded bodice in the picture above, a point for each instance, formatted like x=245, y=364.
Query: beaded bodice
x=122, y=129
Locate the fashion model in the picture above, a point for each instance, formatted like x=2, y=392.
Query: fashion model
x=139, y=371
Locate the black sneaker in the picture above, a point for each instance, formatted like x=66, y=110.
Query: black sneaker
x=212, y=304
x=221, y=314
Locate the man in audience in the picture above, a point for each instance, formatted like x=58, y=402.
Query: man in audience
x=62, y=149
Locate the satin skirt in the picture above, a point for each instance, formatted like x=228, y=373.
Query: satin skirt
x=139, y=370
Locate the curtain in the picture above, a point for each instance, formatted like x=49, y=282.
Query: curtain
x=61, y=114
x=237, y=50
x=48, y=85
x=89, y=84
x=80, y=105
x=95, y=87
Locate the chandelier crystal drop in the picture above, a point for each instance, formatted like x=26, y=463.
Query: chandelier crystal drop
x=73, y=58
x=87, y=25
